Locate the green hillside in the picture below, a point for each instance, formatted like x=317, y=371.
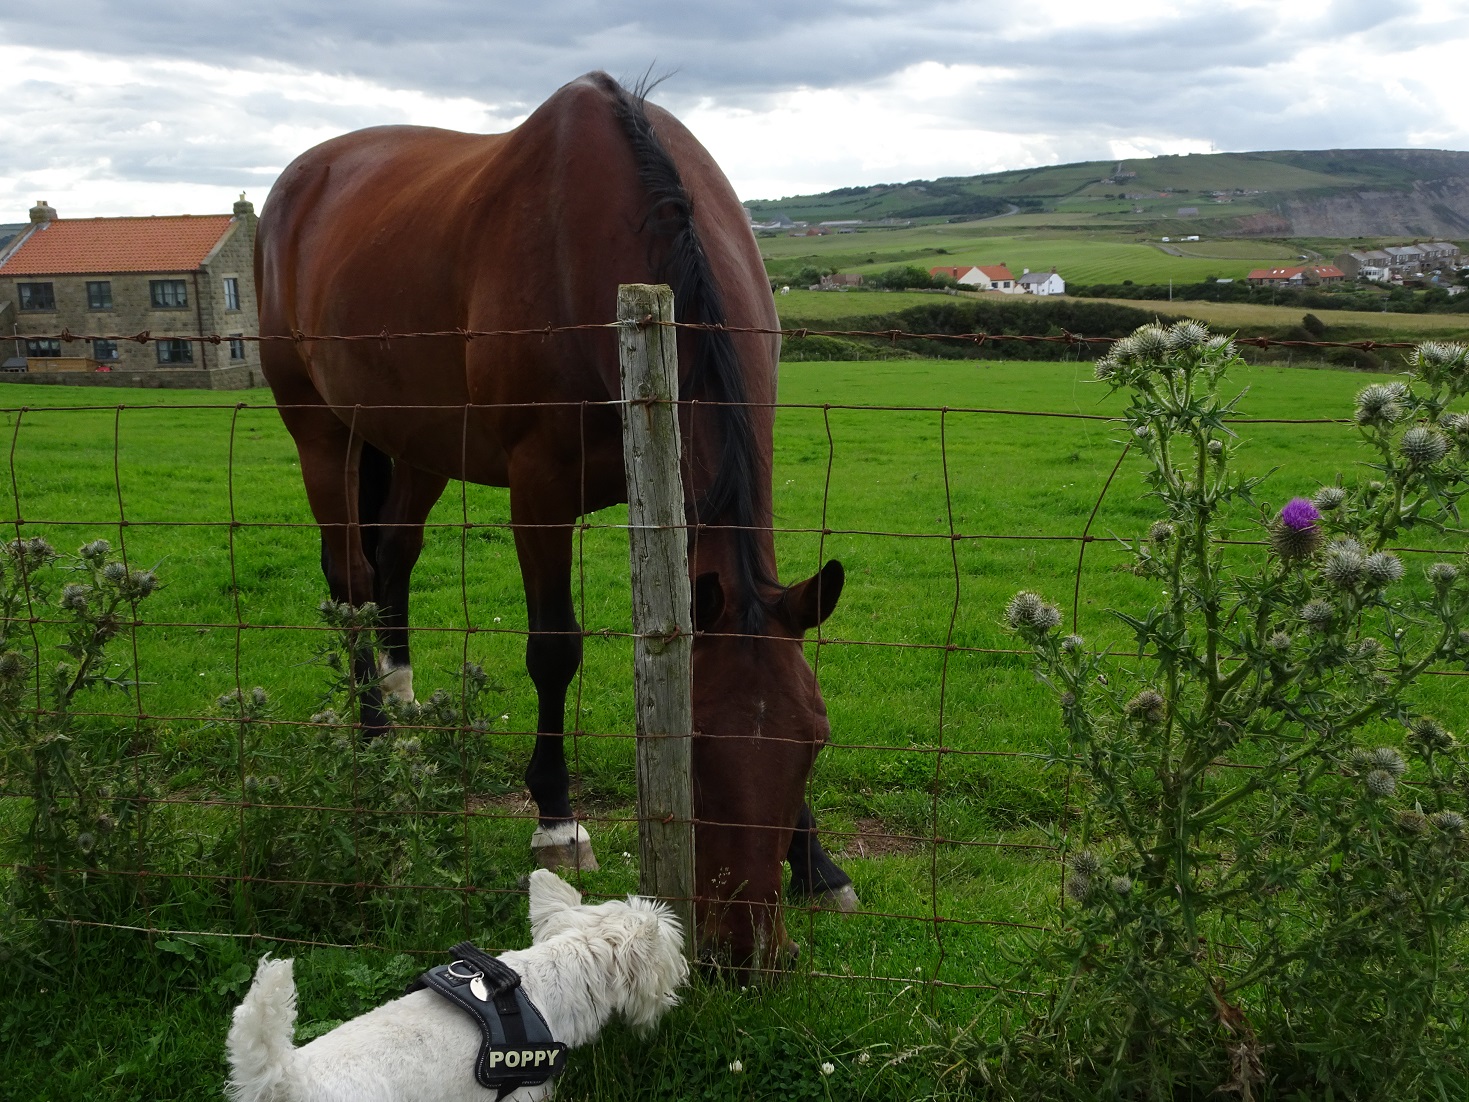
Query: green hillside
x=1145, y=190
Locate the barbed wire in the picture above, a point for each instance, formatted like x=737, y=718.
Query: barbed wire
x=938, y=916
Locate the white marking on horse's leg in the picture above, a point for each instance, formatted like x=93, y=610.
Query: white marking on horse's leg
x=843, y=899
x=563, y=846
x=396, y=680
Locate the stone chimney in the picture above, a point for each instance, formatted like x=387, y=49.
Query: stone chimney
x=244, y=208
x=42, y=212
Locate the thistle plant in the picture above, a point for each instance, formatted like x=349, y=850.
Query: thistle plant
x=89, y=792
x=1272, y=875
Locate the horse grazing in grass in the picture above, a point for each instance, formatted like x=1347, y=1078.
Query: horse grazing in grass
x=412, y=229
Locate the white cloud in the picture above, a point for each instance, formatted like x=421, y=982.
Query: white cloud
x=791, y=98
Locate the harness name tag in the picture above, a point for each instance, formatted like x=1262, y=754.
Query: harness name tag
x=548, y=1059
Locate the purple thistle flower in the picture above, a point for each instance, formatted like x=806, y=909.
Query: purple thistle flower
x=1299, y=513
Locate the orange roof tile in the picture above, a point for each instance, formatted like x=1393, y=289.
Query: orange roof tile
x=73, y=246
x=996, y=271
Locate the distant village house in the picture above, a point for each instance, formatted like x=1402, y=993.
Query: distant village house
x=997, y=277
x=1311, y=275
x=1398, y=262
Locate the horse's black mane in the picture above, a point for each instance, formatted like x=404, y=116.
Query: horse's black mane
x=716, y=375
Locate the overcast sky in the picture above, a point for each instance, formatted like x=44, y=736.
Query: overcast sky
x=176, y=106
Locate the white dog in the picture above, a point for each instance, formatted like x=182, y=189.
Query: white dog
x=585, y=963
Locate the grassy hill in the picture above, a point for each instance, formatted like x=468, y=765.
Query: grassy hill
x=1271, y=193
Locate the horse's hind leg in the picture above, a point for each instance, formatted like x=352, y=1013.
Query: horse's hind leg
x=553, y=653
x=397, y=542
x=814, y=875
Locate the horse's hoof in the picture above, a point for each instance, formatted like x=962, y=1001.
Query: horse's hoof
x=563, y=846
x=843, y=900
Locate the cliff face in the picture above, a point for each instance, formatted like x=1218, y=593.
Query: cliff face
x=1429, y=208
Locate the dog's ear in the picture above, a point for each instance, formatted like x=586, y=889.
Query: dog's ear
x=550, y=898
x=648, y=962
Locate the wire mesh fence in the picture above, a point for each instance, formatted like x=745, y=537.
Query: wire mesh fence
x=196, y=807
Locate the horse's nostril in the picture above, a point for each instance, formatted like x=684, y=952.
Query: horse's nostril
x=793, y=950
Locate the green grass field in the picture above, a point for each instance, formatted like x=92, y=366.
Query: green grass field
x=212, y=497
x=1104, y=256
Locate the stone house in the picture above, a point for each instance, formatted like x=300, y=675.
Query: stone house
x=172, y=276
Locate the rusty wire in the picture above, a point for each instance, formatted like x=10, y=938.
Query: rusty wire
x=249, y=728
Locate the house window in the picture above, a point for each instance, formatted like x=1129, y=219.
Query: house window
x=43, y=348
x=104, y=350
x=231, y=293
x=99, y=294
x=237, y=346
x=168, y=293
x=173, y=351
x=37, y=296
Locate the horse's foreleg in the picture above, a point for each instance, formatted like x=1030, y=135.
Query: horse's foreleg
x=814, y=875
x=331, y=458
x=553, y=653
x=411, y=497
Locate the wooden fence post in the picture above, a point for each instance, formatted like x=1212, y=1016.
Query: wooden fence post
x=661, y=612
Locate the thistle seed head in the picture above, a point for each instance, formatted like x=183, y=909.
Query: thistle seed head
x=1450, y=822
x=1382, y=568
x=1388, y=760
x=1293, y=544
x=1186, y=334
x=1442, y=574
x=86, y=842
x=139, y=584
x=1215, y=448
x=74, y=597
x=1317, y=615
x=1122, y=885
x=1413, y=822
x=12, y=665
x=1381, y=783
x=1106, y=368
x=1369, y=648
x=1073, y=644
x=1079, y=888
x=1343, y=565
x=1279, y=640
x=1328, y=498
x=1435, y=354
x=1160, y=531
x=114, y=572
x=1149, y=342
x=1086, y=863
x=1147, y=707
x=1378, y=406
x=1422, y=446
x=1029, y=610
x=1429, y=734
x=94, y=551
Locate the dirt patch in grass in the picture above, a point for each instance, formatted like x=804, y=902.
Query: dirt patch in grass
x=874, y=838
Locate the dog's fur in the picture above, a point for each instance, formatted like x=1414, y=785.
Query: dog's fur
x=585, y=964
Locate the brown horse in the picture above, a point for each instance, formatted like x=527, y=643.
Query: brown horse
x=410, y=229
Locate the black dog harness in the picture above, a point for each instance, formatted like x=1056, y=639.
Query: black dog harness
x=516, y=1047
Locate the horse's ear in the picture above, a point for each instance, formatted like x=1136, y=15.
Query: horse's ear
x=812, y=601
x=708, y=601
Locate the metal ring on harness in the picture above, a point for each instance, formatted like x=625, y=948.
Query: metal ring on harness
x=475, y=975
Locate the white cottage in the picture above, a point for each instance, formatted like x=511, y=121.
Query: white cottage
x=1042, y=283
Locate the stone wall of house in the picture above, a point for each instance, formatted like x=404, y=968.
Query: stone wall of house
x=155, y=378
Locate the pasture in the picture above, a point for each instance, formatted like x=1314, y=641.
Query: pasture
x=933, y=793
x=1102, y=256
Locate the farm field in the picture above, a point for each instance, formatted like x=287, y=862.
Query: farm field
x=1100, y=257
x=211, y=494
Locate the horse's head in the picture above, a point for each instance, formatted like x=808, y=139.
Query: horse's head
x=758, y=722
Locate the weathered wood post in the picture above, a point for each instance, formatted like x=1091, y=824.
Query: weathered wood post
x=661, y=613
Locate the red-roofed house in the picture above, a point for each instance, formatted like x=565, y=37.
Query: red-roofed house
x=1297, y=277
x=992, y=277
x=173, y=275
